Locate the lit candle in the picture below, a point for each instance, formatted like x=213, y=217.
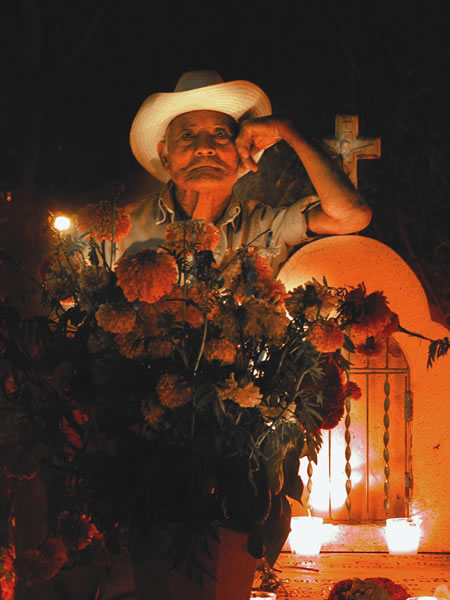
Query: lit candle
x=61, y=223
x=305, y=538
x=425, y=598
x=402, y=536
x=258, y=595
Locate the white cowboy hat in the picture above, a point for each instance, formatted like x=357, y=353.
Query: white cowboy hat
x=195, y=90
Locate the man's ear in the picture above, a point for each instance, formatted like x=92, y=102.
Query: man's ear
x=163, y=155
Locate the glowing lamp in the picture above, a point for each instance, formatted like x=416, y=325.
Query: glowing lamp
x=258, y=595
x=305, y=538
x=425, y=598
x=61, y=223
x=402, y=536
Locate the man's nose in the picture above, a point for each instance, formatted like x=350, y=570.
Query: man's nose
x=204, y=145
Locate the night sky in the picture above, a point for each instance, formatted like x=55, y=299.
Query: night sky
x=74, y=75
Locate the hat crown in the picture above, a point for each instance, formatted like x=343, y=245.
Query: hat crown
x=192, y=80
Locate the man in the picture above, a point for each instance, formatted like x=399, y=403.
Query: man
x=200, y=139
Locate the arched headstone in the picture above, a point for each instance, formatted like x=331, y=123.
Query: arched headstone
x=347, y=261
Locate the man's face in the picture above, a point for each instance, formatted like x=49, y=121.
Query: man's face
x=199, y=152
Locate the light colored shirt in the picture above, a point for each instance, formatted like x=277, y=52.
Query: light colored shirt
x=243, y=222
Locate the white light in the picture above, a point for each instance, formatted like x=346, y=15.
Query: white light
x=62, y=223
x=402, y=536
x=305, y=538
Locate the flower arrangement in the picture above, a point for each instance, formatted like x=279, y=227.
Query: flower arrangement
x=169, y=390
x=375, y=588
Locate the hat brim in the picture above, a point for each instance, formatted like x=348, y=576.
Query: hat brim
x=235, y=98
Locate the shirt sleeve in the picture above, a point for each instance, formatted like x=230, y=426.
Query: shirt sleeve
x=290, y=225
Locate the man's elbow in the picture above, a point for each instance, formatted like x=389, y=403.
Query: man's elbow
x=356, y=221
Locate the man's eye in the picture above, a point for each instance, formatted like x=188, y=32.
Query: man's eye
x=187, y=135
x=222, y=134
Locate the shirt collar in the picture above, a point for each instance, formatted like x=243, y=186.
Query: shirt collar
x=167, y=207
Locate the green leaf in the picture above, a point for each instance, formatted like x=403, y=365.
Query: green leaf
x=276, y=528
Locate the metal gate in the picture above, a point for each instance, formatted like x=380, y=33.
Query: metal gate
x=364, y=470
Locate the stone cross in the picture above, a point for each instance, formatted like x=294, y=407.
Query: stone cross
x=347, y=144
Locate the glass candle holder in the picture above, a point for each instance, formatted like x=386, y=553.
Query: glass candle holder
x=305, y=538
x=402, y=536
x=425, y=598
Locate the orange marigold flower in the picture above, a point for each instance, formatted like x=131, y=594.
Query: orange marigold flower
x=371, y=347
x=220, y=349
x=325, y=336
x=194, y=234
x=117, y=318
x=173, y=391
x=263, y=321
x=155, y=341
x=103, y=219
x=248, y=273
x=247, y=396
x=147, y=275
x=226, y=321
x=185, y=304
x=391, y=327
x=130, y=344
x=369, y=314
x=352, y=389
x=311, y=300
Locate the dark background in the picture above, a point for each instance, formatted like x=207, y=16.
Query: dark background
x=75, y=73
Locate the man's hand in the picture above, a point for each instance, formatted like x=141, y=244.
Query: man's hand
x=256, y=135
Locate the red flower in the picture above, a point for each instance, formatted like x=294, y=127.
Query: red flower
x=395, y=590
x=334, y=397
x=353, y=390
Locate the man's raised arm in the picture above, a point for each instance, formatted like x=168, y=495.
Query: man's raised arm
x=342, y=209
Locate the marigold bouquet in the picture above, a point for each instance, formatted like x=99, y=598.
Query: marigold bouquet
x=170, y=390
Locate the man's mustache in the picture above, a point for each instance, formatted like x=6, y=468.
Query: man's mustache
x=206, y=162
